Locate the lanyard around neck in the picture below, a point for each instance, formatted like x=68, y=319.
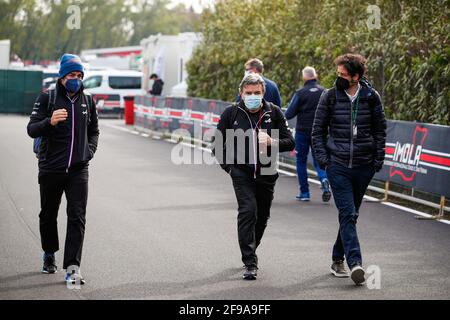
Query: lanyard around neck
x=355, y=107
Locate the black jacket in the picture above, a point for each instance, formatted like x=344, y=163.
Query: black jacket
x=157, y=87
x=332, y=135
x=237, y=117
x=304, y=105
x=71, y=143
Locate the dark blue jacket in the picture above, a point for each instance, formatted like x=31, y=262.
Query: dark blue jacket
x=304, y=105
x=334, y=141
x=272, y=93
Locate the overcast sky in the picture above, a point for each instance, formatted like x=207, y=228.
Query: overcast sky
x=198, y=5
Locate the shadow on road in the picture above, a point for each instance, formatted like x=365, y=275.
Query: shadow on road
x=193, y=289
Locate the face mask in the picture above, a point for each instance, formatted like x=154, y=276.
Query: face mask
x=253, y=102
x=73, y=85
x=247, y=72
x=342, y=84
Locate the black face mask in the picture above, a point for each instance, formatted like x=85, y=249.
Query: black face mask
x=342, y=84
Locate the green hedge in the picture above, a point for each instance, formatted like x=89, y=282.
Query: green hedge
x=408, y=57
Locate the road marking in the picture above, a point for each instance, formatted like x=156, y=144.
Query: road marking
x=117, y=127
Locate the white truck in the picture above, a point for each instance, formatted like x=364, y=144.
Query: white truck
x=109, y=87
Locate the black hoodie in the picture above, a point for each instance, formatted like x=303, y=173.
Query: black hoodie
x=236, y=117
x=71, y=143
x=157, y=87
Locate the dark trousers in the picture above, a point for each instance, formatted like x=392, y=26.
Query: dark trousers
x=302, y=146
x=349, y=187
x=75, y=186
x=254, y=198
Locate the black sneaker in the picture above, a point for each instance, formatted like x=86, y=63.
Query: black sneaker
x=250, y=273
x=326, y=193
x=338, y=269
x=49, y=266
x=357, y=274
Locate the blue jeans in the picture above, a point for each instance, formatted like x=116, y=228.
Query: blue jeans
x=302, y=146
x=349, y=187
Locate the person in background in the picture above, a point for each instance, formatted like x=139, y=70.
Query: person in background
x=303, y=106
x=272, y=93
x=157, y=86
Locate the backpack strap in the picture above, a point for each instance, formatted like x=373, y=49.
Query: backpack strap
x=372, y=99
x=233, y=115
x=331, y=98
x=50, y=105
x=87, y=97
x=51, y=100
x=273, y=114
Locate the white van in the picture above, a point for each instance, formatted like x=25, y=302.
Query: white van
x=109, y=87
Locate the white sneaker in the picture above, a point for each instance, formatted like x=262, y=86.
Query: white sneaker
x=73, y=276
x=357, y=275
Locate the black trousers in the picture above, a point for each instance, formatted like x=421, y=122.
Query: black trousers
x=75, y=185
x=254, y=197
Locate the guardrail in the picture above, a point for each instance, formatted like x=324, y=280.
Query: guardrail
x=417, y=155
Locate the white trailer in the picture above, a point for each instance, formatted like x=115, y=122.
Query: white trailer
x=167, y=55
x=5, y=46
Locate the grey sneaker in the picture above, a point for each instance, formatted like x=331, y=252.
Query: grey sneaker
x=338, y=269
x=357, y=275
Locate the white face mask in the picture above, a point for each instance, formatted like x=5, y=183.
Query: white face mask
x=247, y=72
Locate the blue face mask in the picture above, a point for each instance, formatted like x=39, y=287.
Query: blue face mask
x=253, y=101
x=73, y=85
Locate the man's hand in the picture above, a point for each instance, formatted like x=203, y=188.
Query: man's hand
x=58, y=116
x=378, y=165
x=264, y=138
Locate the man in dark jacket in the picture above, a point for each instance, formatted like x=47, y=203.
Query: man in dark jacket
x=248, y=137
x=349, y=136
x=272, y=93
x=65, y=118
x=157, y=86
x=304, y=105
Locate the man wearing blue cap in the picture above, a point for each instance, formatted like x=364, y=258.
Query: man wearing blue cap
x=65, y=119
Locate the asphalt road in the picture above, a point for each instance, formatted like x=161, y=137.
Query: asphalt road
x=156, y=230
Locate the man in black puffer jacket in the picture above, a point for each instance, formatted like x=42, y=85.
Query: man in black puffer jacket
x=348, y=137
